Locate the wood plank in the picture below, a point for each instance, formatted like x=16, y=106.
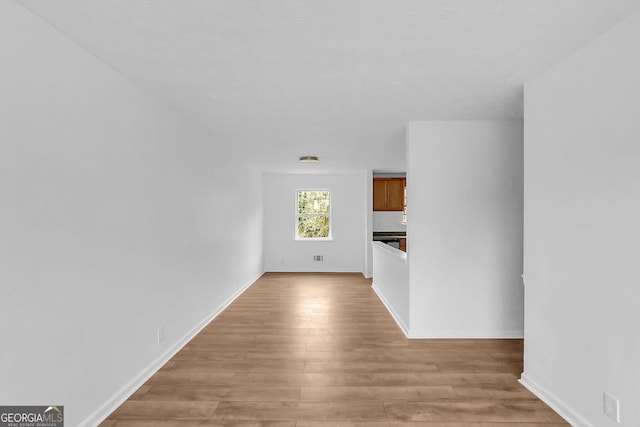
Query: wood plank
x=191, y=392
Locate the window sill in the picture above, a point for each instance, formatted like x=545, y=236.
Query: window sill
x=314, y=239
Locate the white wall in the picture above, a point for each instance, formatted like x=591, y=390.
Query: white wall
x=582, y=210
x=464, y=228
x=368, y=230
x=346, y=252
x=116, y=218
x=388, y=221
x=391, y=281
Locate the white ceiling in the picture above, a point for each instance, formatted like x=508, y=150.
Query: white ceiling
x=337, y=78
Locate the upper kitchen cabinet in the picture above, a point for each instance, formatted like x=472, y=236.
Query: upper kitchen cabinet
x=388, y=194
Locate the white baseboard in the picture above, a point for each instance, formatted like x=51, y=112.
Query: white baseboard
x=564, y=410
x=462, y=334
x=395, y=316
x=311, y=270
x=143, y=376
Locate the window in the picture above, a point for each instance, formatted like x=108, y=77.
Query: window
x=313, y=214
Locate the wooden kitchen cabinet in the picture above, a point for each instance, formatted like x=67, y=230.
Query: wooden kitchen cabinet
x=388, y=194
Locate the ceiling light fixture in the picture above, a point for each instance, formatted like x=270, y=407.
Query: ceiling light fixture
x=309, y=159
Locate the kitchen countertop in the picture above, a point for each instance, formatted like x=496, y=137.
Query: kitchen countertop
x=383, y=235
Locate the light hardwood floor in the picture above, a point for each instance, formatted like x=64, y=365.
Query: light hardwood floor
x=320, y=350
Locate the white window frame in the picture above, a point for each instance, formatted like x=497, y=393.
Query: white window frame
x=298, y=215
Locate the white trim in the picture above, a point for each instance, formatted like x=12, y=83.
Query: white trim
x=462, y=334
x=393, y=251
x=395, y=316
x=104, y=410
x=555, y=403
x=368, y=209
x=311, y=270
x=315, y=239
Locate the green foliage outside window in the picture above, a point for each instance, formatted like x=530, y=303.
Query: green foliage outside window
x=313, y=214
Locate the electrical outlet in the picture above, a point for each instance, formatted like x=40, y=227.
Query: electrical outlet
x=612, y=407
x=160, y=334
x=318, y=257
